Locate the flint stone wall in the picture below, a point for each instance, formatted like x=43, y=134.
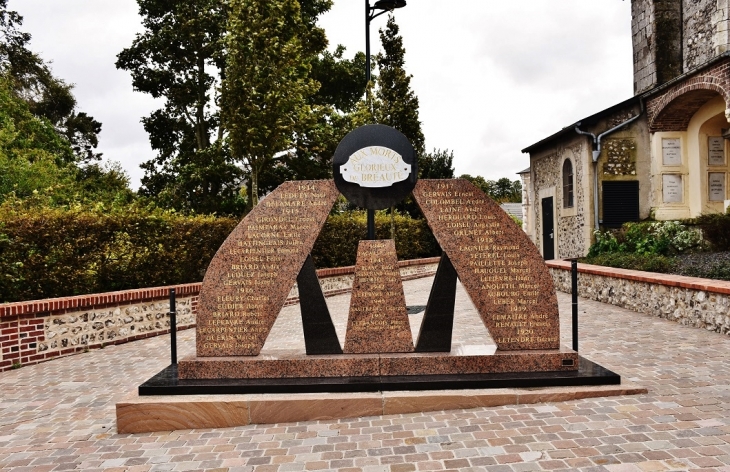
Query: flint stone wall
x=690, y=301
x=548, y=173
x=93, y=327
x=40, y=330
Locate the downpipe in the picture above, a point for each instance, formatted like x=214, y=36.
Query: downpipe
x=597, y=154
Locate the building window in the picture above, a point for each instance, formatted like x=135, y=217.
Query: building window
x=567, y=184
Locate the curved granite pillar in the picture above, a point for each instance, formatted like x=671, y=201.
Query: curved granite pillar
x=252, y=273
x=500, y=268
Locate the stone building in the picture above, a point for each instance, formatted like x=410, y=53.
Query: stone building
x=660, y=154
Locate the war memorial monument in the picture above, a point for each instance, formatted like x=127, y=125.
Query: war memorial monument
x=250, y=277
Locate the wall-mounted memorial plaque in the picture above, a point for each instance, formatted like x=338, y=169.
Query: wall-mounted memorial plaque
x=716, y=186
x=671, y=151
x=672, y=188
x=250, y=276
x=499, y=266
x=716, y=151
x=378, y=320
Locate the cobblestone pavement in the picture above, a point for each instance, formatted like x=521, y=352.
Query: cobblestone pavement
x=60, y=415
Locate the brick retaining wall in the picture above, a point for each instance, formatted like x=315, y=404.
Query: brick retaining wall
x=39, y=330
x=691, y=301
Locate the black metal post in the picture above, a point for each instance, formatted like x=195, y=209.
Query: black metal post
x=173, y=328
x=367, y=42
x=371, y=213
x=574, y=292
x=384, y=6
x=371, y=224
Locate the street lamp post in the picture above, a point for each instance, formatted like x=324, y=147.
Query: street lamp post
x=372, y=12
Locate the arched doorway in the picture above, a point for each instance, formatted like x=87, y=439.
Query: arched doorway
x=689, y=153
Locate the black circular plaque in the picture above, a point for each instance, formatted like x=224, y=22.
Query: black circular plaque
x=375, y=167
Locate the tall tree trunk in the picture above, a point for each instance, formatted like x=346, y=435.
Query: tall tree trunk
x=201, y=133
x=254, y=186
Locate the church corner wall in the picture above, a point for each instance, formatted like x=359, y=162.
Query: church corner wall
x=572, y=225
x=674, y=37
x=700, y=23
x=656, y=29
x=626, y=155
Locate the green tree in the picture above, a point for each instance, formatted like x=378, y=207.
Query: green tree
x=502, y=190
x=267, y=83
x=516, y=192
x=47, y=96
x=342, y=81
x=341, y=84
x=47, y=147
x=397, y=104
x=34, y=158
x=32, y=155
x=437, y=165
x=180, y=56
x=506, y=190
x=479, y=181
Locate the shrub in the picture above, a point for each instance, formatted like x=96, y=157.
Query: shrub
x=644, y=262
x=714, y=265
x=647, y=238
x=48, y=251
x=718, y=272
x=606, y=242
x=715, y=230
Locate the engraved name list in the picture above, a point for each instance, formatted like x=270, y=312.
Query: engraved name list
x=501, y=271
x=256, y=266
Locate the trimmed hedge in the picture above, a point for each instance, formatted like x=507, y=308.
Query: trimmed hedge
x=53, y=252
x=48, y=252
x=337, y=243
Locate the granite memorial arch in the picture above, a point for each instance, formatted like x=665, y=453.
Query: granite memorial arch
x=249, y=279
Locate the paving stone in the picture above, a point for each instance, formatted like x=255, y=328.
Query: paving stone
x=59, y=415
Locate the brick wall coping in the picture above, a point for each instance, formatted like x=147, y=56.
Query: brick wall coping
x=694, y=283
x=323, y=273
x=97, y=299
x=111, y=298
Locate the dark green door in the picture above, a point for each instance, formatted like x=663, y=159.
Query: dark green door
x=548, y=231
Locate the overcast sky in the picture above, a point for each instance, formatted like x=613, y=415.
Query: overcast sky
x=492, y=76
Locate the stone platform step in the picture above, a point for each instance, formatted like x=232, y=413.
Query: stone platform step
x=166, y=403
x=142, y=414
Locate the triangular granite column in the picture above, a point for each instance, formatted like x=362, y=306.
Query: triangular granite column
x=378, y=319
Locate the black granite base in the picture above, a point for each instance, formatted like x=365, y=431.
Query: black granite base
x=589, y=373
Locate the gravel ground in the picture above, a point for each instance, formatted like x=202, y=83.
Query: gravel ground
x=704, y=264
